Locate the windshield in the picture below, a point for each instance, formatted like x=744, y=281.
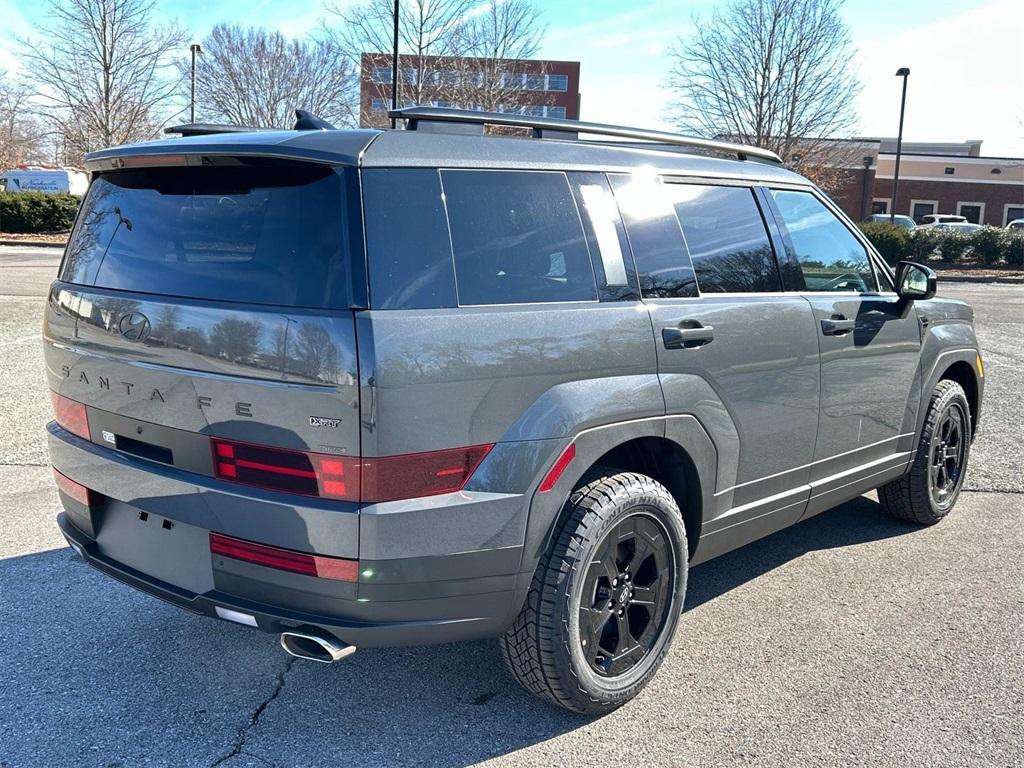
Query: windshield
x=264, y=234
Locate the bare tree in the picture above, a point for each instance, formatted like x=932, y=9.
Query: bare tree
x=256, y=77
x=775, y=73
x=102, y=71
x=493, y=37
x=427, y=29
x=21, y=135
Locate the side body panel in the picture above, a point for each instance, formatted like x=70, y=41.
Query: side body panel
x=754, y=387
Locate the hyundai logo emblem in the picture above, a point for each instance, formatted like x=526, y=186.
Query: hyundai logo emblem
x=134, y=326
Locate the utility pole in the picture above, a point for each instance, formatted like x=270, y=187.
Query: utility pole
x=394, y=67
x=196, y=48
x=901, y=72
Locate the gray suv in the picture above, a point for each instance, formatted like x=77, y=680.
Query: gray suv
x=368, y=388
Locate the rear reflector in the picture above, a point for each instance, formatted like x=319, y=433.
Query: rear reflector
x=76, y=491
x=322, y=567
x=70, y=415
x=342, y=477
x=558, y=468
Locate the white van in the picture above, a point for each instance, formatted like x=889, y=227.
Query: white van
x=40, y=179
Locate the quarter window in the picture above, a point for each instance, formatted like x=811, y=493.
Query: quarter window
x=830, y=257
x=517, y=238
x=726, y=238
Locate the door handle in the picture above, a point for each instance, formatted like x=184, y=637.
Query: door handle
x=687, y=335
x=837, y=326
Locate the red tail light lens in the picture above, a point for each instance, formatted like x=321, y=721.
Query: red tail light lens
x=387, y=478
x=70, y=415
x=336, y=568
x=420, y=474
x=76, y=491
x=309, y=474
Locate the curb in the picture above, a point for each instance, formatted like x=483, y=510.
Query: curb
x=980, y=279
x=33, y=243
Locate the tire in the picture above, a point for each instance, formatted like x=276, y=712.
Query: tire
x=920, y=496
x=556, y=648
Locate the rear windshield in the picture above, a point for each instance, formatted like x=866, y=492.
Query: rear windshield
x=263, y=234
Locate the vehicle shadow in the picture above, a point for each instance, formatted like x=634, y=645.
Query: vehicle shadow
x=96, y=673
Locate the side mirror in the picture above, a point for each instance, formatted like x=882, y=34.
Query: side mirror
x=915, y=281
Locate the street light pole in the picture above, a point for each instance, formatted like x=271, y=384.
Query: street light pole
x=901, y=72
x=394, y=66
x=196, y=48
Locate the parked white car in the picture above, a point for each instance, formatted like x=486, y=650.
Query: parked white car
x=34, y=178
x=931, y=219
x=1016, y=224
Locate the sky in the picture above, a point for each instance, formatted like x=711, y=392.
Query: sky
x=966, y=59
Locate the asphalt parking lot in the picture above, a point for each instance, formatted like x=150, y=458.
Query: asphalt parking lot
x=849, y=639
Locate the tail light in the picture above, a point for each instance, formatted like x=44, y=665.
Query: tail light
x=367, y=480
x=70, y=415
x=76, y=491
x=336, y=568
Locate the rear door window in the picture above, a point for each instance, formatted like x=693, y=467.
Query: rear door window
x=655, y=238
x=516, y=238
x=266, y=234
x=830, y=257
x=726, y=238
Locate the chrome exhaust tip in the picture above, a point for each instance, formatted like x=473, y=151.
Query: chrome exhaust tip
x=315, y=646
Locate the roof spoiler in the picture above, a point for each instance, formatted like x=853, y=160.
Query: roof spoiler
x=304, y=121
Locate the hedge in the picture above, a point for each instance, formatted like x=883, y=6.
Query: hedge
x=988, y=245
x=36, y=212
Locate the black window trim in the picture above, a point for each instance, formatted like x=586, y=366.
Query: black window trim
x=583, y=231
x=874, y=259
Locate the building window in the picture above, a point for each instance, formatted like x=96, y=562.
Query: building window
x=378, y=104
x=534, y=82
x=949, y=171
x=880, y=205
x=382, y=75
x=1012, y=213
x=921, y=208
x=973, y=212
x=558, y=112
x=558, y=82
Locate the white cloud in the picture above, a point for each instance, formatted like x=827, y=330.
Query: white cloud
x=965, y=79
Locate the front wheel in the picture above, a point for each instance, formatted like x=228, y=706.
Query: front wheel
x=928, y=492
x=606, y=600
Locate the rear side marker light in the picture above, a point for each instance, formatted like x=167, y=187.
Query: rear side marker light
x=369, y=480
x=70, y=415
x=558, y=468
x=336, y=568
x=76, y=491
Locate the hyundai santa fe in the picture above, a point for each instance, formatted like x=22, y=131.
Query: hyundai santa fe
x=363, y=388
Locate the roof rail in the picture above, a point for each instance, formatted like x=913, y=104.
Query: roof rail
x=430, y=118
x=205, y=129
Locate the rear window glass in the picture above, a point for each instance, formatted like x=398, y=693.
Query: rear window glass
x=517, y=238
x=655, y=237
x=273, y=234
x=726, y=238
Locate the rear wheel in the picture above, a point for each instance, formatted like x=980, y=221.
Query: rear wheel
x=606, y=599
x=928, y=492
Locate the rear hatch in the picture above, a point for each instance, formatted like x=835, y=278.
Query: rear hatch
x=203, y=313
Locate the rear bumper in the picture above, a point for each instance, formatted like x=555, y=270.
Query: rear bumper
x=276, y=619
x=151, y=530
